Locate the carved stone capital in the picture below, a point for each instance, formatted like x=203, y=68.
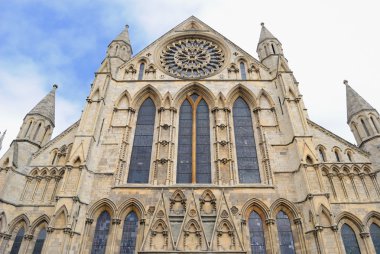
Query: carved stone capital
x=89, y=221
x=297, y=221
x=28, y=237
x=116, y=221
x=318, y=228
x=364, y=234
x=7, y=236
x=334, y=228
x=50, y=230
x=270, y=221
x=67, y=230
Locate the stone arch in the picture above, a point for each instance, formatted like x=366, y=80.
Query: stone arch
x=147, y=91
x=191, y=223
x=324, y=211
x=3, y=222
x=167, y=100
x=288, y=207
x=101, y=205
x=34, y=172
x=372, y=217
x=124, y=96
x=221, y=100
x=292, y=94
x=37, y=222
x=129, y=205
x=345, y=217
x=21, y=219
x=160, y=226
x=60, y=217
x=191, y=88
x=264, y=95
x=366, y=169
x=207, y=202
x=241, y=91
x=178, y=202
x=256, y=205
x=95, y=96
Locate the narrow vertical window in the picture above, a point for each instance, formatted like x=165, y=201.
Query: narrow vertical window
x=27, y=130
x=322, y=154
x=274, y=51
x=374, y=124
x=141, y=71
x=256, y=233
x=194, y=155
x=242, y=71
x=285, y=234
x=40, y=242
x=128, y=240
x=349, y=240
x=337, y=156
x=248, y=166
x=37, y=131
x=142, y=143
x=349, y=156
x=365, y=127
x=374, y=230
x=99, y=242
x=18, y=240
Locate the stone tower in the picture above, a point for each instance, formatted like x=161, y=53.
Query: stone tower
x=191, y=146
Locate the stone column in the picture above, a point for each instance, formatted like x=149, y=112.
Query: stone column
x=367, y=244
x=351, y=176
x=115, y=226
x=272, y=235
x=375, y=183
x=337, y=238
x=25, y=244
x=341, y=175
x=362, y=175
x=330, y=176
x=86, y=230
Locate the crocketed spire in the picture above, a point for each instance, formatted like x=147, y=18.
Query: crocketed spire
x=355, y=103
x=46, y=107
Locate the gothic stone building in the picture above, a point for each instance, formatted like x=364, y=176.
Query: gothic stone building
x=192, y=146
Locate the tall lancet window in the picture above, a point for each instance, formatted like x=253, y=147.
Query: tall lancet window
x=18, y=240
x=285, y=234
x=40, y=242
x=365, y=127
x=374, y=229
x=141, y=71
x=248, y=166
x=142, y=143
x=349, y=240
x=99, y=243
x=128, y=240
x=256, y=233
x=194, y=155
x=243, y=71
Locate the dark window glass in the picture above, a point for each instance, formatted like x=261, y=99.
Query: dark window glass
x=256, y=233
x=374, y=125
x=349, y=156
x=40, y=242
x=349, y=240
x=128, y=240
x=242, y=71
x=365, y=127
x=375, y=235
x=17, y=242
x=337, y=156
x=203, y=156
x=142, y=144
x=248, y=166
x=322, y=154
x=141, y=71
x=184, y=164
x=101, y=233
x=285, y=233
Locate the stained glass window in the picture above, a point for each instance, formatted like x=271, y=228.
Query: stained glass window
x=242, y=71
x=142, y=144
x=99, y=243
x=18, y=240
x=190, y=147
x=285, y=235
x=374, y=229
x=128, y=240
x=141, y=71
x=256, y=233
x=40, y=242
x=248, y=166
x=349, y=240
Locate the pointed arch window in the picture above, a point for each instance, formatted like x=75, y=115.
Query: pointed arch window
x=142, y=143
x=374, y=230
x=337, y=155
x=374, y=124
x=128, y=240
x=141, y=71
x=18, y=240
x=256, y=233
x=99, y=242
x=285, y=234
x=322, y=154
x=349, y=240
x=246, y=154
x=243, y=71
x=194, y=155
x=40, y=242
x=27, y=130
x=365, y=127
x=37, y=131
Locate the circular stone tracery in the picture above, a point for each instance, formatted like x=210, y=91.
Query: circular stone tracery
x=192, y=58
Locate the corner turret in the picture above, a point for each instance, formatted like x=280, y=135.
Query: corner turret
x=121, y=46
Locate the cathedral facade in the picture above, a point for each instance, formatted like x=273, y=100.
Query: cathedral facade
x=192, y=146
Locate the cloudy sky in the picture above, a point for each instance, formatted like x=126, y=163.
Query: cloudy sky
x=43, y=42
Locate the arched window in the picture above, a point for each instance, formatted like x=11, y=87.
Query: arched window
x=285, y=234
x=274, y=51
x=349, y=240
x=18, y=240
x=128, y=240
x=365, y=127
x=99, y=242
x=374, y=230
x=194, y=142
x=243, y=71
x=142, y=143
x=349, y=155
x=248, y=166
x=256, y=233
x=322, y=154
x=337, y=155
x=141, y=71
x=36, y=133
x=40, y=242
x=27, y=130
x=374, y=124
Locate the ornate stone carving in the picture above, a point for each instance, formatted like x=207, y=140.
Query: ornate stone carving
x=192, y=58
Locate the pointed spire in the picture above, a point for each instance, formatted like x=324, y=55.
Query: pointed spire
x=355, y=103
x=265, y=34
x=2, y=138
x=46, y=107
x=124, y=36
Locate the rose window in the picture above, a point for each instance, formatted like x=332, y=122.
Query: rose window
x=192, y=58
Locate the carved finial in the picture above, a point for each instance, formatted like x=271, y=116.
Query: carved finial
x=345, y=82
x=55, y=86
x=262, y=23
